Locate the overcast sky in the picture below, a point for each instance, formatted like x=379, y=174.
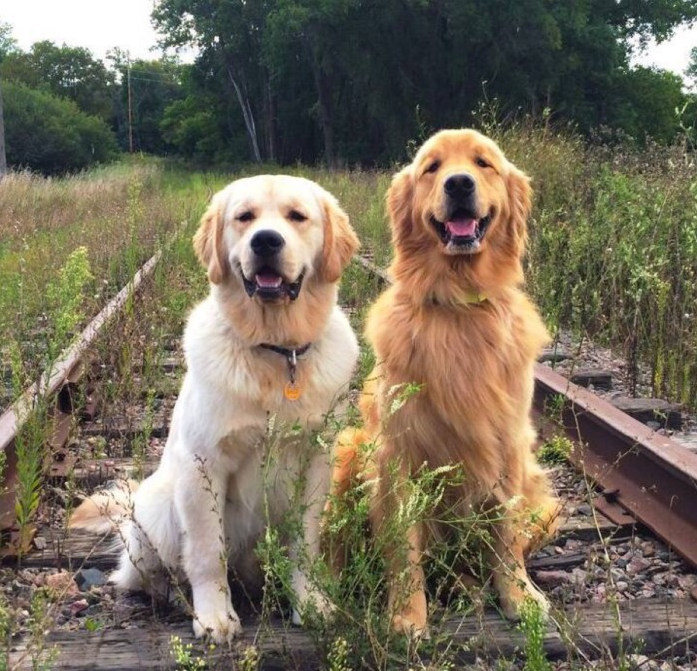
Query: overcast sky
x=101, y=25
x=673, y=55
x=98, y=25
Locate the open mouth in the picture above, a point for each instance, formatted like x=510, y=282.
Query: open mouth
x=268, y=285
x=462, y=233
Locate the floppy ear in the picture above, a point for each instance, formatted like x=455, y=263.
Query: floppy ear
x=208, y=244
x=399, y=197
x=340, y=241
x=520, y=205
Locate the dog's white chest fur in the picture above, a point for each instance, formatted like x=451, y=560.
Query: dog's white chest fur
x=239, y=388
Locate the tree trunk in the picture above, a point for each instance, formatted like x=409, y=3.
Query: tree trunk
x=247, y=115
x=323, y=84
x=3, y=158
x=270, y=120
x=243, y=98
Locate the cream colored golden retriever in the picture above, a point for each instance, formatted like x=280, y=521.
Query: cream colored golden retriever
x=455, y=329
x=268, y=346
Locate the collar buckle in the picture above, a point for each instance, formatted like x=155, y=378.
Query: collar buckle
x=292, y=364
x=291, y=355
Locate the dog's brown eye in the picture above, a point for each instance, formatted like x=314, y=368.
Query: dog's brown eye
x=433, y=167
x=245, y=216
x=482, y=163
x=297, y=217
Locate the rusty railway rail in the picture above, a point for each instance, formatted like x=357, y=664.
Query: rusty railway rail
x=651, y=476
x=54, y=387
x=646, y=474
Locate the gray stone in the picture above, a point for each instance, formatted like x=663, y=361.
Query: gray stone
x=637, y=565
x=554, y=355
x=87, y=578
x=552, y=578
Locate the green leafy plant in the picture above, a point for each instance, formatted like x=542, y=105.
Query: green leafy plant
x=65, y=297
x=557, y=450
x=533, y=625
x=42, y=655
x=184, y=655
x=5, y=633
x=338, y=655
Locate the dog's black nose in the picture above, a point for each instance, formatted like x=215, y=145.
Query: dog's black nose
x=460, y=185
x=267, y=243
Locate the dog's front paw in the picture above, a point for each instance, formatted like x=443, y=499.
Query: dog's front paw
x=410, y=616
x=411, y=625
x=220, y=627
x=310, y=604
x=516, y=598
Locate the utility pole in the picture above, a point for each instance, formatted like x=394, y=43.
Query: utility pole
x=3, y=158
x=130, y=105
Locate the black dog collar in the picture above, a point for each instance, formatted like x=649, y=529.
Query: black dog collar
x=292, y=391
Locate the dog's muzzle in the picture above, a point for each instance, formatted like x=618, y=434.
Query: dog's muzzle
x=462, y=229
x=268, y=283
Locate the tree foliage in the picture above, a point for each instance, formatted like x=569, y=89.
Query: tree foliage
x=68, y=72
x=50, y=134
x=154, y=85
x=7, y=43
x=691, y=70
x=353, y=80
x=648, y=103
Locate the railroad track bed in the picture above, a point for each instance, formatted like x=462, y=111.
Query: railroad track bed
x=593, y=572
x=610, y=377
x=619, y=592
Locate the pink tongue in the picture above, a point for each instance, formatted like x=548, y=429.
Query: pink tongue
x=463, y=227
x=268, y=281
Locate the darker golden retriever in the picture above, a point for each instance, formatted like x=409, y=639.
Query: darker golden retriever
x=456, y=327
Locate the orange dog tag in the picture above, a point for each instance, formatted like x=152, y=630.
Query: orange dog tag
x=292, y=391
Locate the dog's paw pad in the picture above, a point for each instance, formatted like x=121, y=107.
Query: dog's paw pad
x=219, y=629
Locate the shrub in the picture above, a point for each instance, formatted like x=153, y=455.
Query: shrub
x=50, y=134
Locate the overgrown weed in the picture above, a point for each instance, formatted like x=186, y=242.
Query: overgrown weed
x=613, y=249
x=119, y=215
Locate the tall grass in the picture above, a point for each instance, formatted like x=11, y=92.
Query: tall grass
x=119, y=214
x=613, y=251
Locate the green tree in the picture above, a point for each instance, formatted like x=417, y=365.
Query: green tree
x=7, y=46
x=154, y=84
x=193, y=128
x=229, y=35
x=7, y=43
x=648, y=104
x=3, y=153
x=354, y=80
x=691, y=70
x=69, y=72
x=50, y=134
x=316, y=26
